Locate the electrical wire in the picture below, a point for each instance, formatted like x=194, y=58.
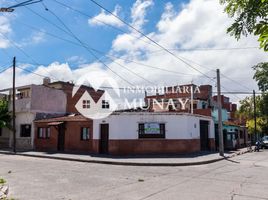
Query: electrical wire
x=23, y=52
x=103, y=53
x=147, y=37
x=3, y=70
x=90, y=51
x=100, y=21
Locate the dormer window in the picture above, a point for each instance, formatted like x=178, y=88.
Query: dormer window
x=86, y=104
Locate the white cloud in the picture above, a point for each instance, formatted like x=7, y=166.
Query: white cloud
x=36, y=37
x=107, y=18
x=76, y=60
x=138, y=12
x=198, y=24
x=5, y=30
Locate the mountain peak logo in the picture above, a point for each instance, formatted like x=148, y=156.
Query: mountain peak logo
x=97, y=104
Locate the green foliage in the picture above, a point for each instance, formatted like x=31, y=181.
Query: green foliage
x=261, y=75
x=2, y=181
x=5, y=117
x=260, y=125
x=251, y=17
x=246, y=112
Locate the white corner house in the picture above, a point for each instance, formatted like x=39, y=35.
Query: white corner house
x=125, y=133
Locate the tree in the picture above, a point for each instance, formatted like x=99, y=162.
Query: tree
x=5, y=117
x=261, y=75
x=246, y=113
x=251, y=17
x=261, y=124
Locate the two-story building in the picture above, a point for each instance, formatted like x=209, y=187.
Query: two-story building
x=31, y=101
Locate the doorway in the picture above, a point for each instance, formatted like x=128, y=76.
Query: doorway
x=61, y=136
x=104, y=139
x=204, y=131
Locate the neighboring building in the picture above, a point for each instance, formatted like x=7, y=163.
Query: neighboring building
x=234, y=132
x=181, y=96
x=230, y=107
x=31, y=100
x=72, y=99
x=126, y=133
x=69, y=133
x=39, y=102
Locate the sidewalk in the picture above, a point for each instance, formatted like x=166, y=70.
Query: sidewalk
x=171, y=160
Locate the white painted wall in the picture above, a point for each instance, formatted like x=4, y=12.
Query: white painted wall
x=178, y=126
x=22, y=118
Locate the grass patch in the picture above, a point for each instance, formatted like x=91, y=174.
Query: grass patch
x=2, y=181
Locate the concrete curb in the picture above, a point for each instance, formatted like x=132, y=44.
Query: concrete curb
x=163, y=164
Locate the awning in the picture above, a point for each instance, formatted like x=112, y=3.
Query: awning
x=55, y=123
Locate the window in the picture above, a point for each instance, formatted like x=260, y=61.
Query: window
x=44, y=133
x=86, y=104
x=105, y=104
x=152, y=130
x=84, y=133
x=25, y=130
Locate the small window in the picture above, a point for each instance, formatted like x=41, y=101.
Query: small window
x=25, y=130
x=152, y=130
x=44, y=133
x=105, y=104
x=86, y=104
x=85, y=134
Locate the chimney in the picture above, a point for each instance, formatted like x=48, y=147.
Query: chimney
x=46, y=81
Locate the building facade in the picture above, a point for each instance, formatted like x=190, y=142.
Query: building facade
x=31, y=100
x=128, y=133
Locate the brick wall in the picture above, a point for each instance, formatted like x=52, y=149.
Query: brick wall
x=73, y=140
x=153, y=146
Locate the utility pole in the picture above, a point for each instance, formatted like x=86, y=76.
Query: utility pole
x=255, y=117
x=192, y=98
x=221, y=146
x=13, y=106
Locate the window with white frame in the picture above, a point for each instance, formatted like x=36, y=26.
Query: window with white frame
x=44, y=133
x=85, y=133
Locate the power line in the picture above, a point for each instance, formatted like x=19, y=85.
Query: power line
x=25, y=3
x=29, y=71
x=5, y=69
x=208, y=49
x=103, y=53
x=98, y=20
x=24, y=52
x=156, y=43
x=74, y=36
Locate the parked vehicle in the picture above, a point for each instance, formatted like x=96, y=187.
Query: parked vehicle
x=264, y=142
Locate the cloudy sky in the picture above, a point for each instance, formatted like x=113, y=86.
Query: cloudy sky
x=67, y=39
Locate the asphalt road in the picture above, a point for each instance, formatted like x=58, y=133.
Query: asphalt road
x=244, y=177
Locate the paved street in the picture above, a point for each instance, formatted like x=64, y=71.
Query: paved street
x=244, y=177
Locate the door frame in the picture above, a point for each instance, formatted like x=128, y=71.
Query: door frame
x=204, y=137
x=61, y=137
x=104, y=139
